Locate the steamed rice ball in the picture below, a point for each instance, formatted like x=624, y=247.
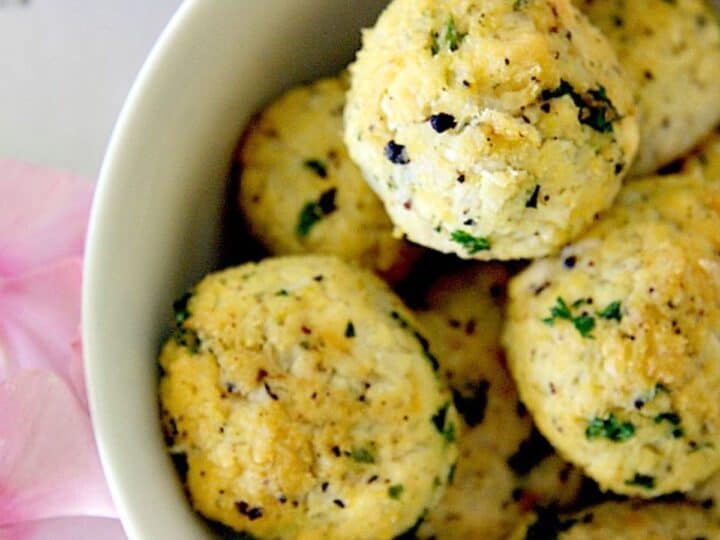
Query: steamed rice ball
x=492, y=130
x=504, y=469
x=614, y=343
x=301, y=193
x=305, y=402
x=670, y=52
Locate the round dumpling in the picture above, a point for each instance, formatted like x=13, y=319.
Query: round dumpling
x=305, y=402
x=623, y=521
x=301, y=193
x=670, y=52
x=615, y=344
x=492, y=130
x=505, y=468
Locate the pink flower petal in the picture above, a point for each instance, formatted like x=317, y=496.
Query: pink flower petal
x=43, y=216
x=74, y=528
x=39, y=320
x=49, y=465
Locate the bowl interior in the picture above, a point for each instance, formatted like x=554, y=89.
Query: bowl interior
x=156, y=222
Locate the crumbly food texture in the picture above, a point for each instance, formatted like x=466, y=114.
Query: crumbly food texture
x=492, y=130
x=670, y=52
x=615, y=344
x=503, y=470
x=299, y=191
x=623, y=521
x=306, y=403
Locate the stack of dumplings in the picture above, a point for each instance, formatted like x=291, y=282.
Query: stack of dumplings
x=490, y=306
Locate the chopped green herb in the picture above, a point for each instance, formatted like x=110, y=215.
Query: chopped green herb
x=472, y=244
x=583, y=323
x=445, y=428
x=595, y=109
x=671, y=417
x=282, y=292
x=472, y=407
x=451, y=473
x=610, y=428
x=350, y=330
x=317, y=166
x=395, y=491
x=186, y=337
x=362, y=455
x=641, y=480
x=180, y=308
x=611, y=312
x=314, y=211
x=448, y=37
x=519, y=4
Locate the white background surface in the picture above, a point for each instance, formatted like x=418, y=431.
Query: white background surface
x=65, y=69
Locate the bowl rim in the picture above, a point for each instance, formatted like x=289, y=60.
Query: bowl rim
x=126, y=125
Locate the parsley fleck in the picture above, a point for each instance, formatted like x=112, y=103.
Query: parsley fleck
x=671, y=417
x=611, y=312
x=362, y=455
x=583, y=323
x=314, y=211
x=451, y=473
x=472, y=407
x=186, y=337
x=282, y=292
x=472, y=244
x=180, y=308
x=395, y=491
x=641, y=480
x=448, y=37
x=595, y=109
x=519, y=4
x=350, y=330
x=610, y=428
x=445, y=428
x=317, y=166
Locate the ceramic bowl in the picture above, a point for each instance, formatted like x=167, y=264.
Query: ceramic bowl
x=156, y=222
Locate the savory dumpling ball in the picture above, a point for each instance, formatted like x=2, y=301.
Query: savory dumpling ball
x=301, y=193
x=492, y=130
x=504, y=469
x=670, y=52
x=614, y=343
x=305, y=402
x=623, y=521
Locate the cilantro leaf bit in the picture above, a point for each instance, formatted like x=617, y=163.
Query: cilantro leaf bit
x=395, y=491
x=314, y=211
x=519, y=4
x=641, y=480
x=595, y=109
x=180, y=308
x=448, y=37
x=584, y=323
x=350, y=330
x=188, y=338
x=362, y=455
x=282, y=292
x=674, y=420
x=451, y=473
x=445, y=428
x=472, y=407
x=610, y=428
x=472, y=244
x=317, y=166
x=611, y=312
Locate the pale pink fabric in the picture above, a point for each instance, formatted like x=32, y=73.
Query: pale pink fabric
x=51, y=483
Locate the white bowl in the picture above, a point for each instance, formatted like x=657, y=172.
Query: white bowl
x=155, y=225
